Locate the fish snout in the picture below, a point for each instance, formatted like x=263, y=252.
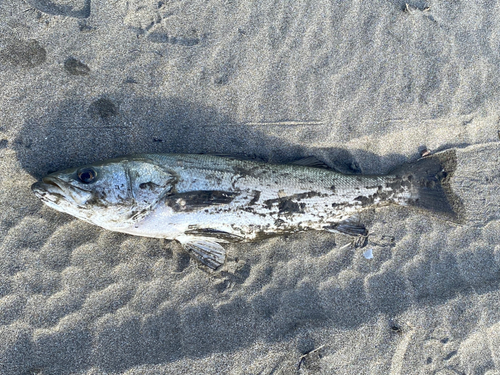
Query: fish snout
x=48, y=185
x=38, y=189
x=48, y=190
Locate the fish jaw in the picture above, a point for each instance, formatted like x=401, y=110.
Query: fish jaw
x=58, y=194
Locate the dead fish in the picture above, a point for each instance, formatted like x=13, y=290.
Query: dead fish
x=202, y=201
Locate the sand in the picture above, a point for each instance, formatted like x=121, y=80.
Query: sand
x=360, y=85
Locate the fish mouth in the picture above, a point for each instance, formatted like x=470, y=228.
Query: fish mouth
x=52, y=190
x=48, y=189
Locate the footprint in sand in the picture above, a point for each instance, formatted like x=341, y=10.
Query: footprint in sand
x=23, y=53
x=71, y=8
x=163, y=22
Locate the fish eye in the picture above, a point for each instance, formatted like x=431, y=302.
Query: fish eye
x=87, y=175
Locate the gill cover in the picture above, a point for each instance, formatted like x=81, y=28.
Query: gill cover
x=148, y=183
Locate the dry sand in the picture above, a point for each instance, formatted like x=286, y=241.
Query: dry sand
x=360, y=84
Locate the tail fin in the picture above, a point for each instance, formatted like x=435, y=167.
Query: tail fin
x=430, y=182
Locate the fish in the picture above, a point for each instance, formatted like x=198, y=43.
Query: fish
x=204, y=201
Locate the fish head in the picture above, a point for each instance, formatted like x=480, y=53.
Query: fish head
x=113, y=194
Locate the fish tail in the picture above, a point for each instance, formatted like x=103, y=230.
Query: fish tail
x=430, y=185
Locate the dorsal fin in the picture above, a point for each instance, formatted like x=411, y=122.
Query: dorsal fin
x=242, y=157
x=341, y=167
x=311, y=161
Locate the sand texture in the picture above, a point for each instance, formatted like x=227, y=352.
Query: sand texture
x=362, y=85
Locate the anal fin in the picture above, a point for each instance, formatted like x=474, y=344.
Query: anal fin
x=207, y=252
x=350, y=226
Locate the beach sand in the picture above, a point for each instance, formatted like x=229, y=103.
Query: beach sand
x=360, y=85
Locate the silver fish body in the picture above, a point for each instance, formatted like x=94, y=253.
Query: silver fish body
x=203, y=200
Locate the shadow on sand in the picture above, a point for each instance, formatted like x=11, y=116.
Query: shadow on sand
x=78, y=133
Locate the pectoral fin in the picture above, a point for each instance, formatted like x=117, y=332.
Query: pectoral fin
x=205, y=251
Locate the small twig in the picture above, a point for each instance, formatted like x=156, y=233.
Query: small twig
x=304, y=356
x=285, y=123
x=346, y=245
